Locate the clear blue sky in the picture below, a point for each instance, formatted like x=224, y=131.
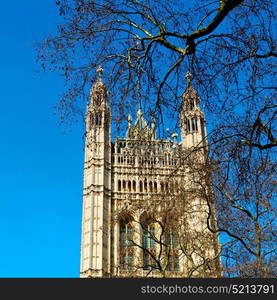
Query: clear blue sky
x=41, y=168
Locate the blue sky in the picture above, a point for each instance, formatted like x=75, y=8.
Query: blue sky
x=41, y=168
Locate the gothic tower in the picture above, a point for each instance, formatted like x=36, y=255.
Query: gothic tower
x=95, y=245
x=126, y=178
x=193, y=129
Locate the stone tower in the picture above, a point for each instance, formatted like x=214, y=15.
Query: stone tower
x=193, y=129
x=95, y=249
x=122, y=175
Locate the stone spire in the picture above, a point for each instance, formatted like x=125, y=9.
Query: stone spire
x=193, y=130
x=129, y=128
x=189, y=77
x=100, y=73
x=190, y=96
x=98, y=92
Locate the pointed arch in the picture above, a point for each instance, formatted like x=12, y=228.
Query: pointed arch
x=126, y=235
x=169, y=159
x=91, y=120
x=191, y=104
x=150, y=186
x=166, y=187
x=194, y=124
x=145, y=186
x=155, y=187
x=129, y=186
x=140, y=186
x=172, y=244
x=98, y=119
x=148, y=241
x=162, y=186
x=188, y=125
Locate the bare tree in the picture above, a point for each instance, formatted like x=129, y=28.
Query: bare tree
x=147, y=46
x=244, y=182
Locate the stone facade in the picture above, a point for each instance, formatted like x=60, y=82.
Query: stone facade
x=119, y=176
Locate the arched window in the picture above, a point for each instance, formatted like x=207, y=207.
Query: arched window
x=169, y=159
x=119, y=185
x=202, y=124
x=166, y=187
x=150, y=187
x=124, y=185
x=155, y=187
x=112, y=148
x=148, y=242
x=97, y=99
x=126, y=254
x=171, y=242
x=134, y=186
x=191, y=104
x=188, y=125
x=162, y=187
x=129, y=186
x=194, y=124
x=98, y=118
x=145, y=186
x=91, y=120
x=140, y=186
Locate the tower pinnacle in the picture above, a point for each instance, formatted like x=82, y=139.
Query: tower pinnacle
x=193, y=130
x=100, y=72
x=98, y=92
x=189, y=77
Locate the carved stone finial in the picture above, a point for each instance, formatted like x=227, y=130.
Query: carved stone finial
x=100, y=72
x=175, y=135
x=139, y=113
x=189, y=77
x=129, y=118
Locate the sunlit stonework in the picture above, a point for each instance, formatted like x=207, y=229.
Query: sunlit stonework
x=123, y=179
